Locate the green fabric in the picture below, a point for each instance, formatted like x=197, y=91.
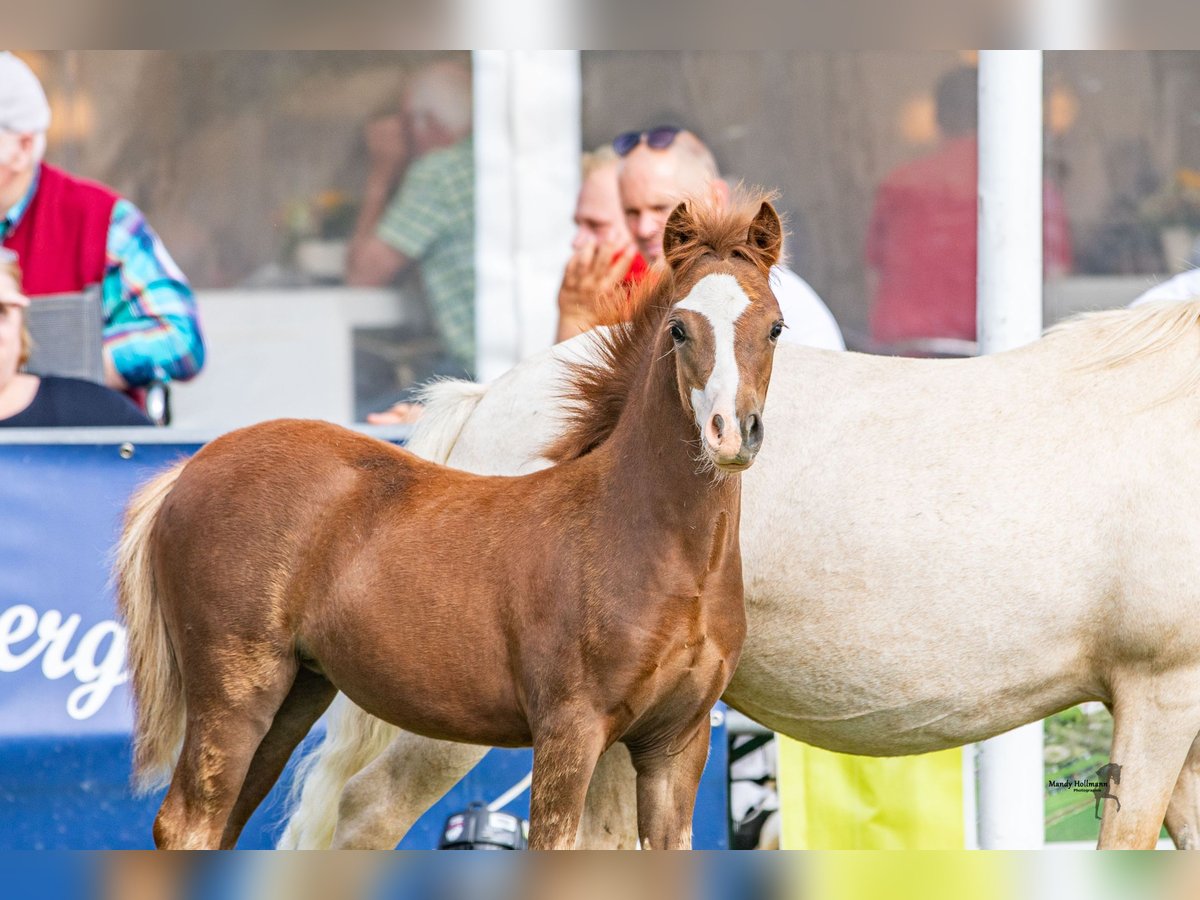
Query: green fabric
x=831, y=801
x=432, y=220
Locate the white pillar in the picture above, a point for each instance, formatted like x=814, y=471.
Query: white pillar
x=1011, y=790
x=527, y=147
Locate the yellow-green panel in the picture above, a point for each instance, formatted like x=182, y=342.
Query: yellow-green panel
x=831, y=801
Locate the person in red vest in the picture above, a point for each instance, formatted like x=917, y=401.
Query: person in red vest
x=70, y=234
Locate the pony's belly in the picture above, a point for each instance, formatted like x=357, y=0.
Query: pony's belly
x=474, y=726
x=896, y=723
x=446, y=704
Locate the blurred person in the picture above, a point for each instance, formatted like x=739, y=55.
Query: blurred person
x=654, y=171
x=27, y=401
x=923, y=234
x=70, y=234
x=419, y=205
x=603, y=254
x=663, y=166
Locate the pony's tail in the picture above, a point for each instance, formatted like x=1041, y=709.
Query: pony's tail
x=157, y=686
x=448, y=406
x=353, y=739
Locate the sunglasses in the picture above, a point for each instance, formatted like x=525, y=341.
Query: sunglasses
x=659, y=138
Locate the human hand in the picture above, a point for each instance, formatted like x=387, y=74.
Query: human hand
x=593, y=271
x=387, y=142
x=400, y=414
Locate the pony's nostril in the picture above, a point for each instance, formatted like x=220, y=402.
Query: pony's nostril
x=719, y=425
x=754, y=431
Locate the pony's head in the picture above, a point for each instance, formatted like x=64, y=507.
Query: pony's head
x=723, y=323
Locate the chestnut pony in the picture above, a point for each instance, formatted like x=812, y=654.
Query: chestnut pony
x=600, y=600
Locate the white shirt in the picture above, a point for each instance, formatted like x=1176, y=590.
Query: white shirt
x=809, y=321
x=1184, y=286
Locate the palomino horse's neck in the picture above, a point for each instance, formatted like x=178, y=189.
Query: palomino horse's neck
x=654, y=452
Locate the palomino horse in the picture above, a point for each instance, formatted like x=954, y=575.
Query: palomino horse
x=936, y=551
x=601, y=598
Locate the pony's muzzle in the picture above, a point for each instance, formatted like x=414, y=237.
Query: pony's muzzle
x=733, y=448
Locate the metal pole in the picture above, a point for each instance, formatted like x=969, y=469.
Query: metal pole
x=1009, y=301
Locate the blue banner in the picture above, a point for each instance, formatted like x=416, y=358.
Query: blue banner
x=65, y=713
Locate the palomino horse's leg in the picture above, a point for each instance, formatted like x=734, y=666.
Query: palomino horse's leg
x=1155, y=720
x=666, y=791
x=564, y=758
x=383, y=801
x=310, y=696
x=1183, y=812
x=228, y=716
x=386, y=798
x=610, y=813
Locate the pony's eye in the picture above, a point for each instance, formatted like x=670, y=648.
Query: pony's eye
x=776, y=331
x=678, y=335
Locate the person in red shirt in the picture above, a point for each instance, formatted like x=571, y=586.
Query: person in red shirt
x=922, y=239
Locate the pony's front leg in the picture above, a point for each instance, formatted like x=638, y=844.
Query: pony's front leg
x=1155, y=720
x=667, y=782
x=564, y=757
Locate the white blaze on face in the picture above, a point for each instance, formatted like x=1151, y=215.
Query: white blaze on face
x=721, y=300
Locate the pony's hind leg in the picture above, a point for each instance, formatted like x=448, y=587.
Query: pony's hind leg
x=232, y=697
x=1183, y=812
x=385, y=799
x=310, y=695
x=1155, y=721
x=610, y=814
x=667, y=781
x=564, y=758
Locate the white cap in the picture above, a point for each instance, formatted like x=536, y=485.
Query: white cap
x=23, y=105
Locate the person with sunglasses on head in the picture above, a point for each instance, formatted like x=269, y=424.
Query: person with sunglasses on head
x=71, y=234
x=664, y=165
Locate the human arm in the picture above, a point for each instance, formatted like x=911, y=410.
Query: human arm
x=151, y=329
x=370, y=262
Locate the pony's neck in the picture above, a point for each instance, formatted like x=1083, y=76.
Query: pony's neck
x=654, y=452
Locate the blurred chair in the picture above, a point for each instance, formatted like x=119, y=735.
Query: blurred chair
x=66, y=331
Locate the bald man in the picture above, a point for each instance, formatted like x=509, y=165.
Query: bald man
x=424, y=162
x=652, y=181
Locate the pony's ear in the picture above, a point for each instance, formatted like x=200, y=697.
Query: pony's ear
x=679, y=231
x=766, y=234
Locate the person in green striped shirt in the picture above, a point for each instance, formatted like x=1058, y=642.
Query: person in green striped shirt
x=419, y=204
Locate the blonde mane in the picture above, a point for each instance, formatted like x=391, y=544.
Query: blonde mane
x=1128, y=335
